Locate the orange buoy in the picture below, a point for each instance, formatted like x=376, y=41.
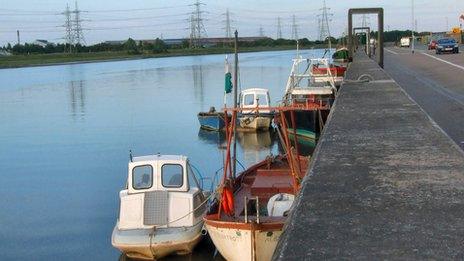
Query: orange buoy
x=227, y=201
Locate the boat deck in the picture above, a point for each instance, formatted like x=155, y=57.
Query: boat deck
x=263, y=181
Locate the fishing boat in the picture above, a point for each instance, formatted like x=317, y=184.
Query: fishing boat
x=341, y=55
x=246, y=221
x=320, y=72
x=255, y=115
x=262, y=197
x=211, y=120
x=335, y=70
x=161, y=208
x=313, y=94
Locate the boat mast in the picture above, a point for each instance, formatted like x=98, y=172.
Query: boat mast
x=234, y=166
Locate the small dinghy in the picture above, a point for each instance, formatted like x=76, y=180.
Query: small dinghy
x=162, y=208
x=211, y=120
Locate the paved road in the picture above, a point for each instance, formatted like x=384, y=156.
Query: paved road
x=435, y=82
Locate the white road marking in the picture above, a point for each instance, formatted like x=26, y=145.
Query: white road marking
x=444, y=61
x=390, y=51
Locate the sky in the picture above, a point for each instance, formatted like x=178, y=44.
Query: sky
x=105, y=20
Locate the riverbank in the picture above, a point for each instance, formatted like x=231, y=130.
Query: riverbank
x=16, y=61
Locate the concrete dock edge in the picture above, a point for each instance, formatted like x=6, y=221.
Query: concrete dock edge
x=385, y=181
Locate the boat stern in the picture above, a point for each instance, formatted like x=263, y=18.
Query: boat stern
x=152, y=244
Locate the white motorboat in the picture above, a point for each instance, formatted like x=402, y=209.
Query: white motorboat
x=255, y=113
x=161, y=210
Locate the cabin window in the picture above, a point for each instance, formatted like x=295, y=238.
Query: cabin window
x=262, y=99
x=249, y=99
x=171, y=175
x=142, y=177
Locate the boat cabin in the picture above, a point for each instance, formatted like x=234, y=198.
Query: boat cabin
x=161, y=191
x=250, y=99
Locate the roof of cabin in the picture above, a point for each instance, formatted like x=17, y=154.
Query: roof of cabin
x=255, y=90
x=159, y=157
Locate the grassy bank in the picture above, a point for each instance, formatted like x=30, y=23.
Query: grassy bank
x=14, y=61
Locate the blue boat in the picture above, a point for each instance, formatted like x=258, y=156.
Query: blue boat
x=212, y=120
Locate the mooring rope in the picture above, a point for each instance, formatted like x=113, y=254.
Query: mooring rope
x=152, y=234
x=361, y=79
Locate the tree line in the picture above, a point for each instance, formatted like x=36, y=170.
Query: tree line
x=132, y=46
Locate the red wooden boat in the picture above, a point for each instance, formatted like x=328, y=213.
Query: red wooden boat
x=246, y=221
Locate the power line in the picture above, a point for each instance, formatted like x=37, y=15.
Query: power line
x=78, y=34
x=228, y=29
x=69, y=36
x=324, y=31
x=365, y=21
x=192, y=32
x=261, y=31
x=137, y=9
x=197, y=29
x=279, y=28
x=137, y=18
x=35, y=12
x=294, y=28
x=263, y=11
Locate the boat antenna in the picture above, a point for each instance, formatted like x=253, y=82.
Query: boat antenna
x=130, y=156
x=234, y=166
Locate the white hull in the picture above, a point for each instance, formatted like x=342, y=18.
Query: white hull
x=135, y=243
x=237, y=244
x=255, y=122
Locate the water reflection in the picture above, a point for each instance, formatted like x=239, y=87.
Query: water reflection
x=256, y=145
x=126, y=105
x=212, y=137
x=205, y=250
x=305, y=148
x=197, y=71
x=77, y=98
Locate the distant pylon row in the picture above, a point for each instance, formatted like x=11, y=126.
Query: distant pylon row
x=323, y=22
x=197, y=29
x=73, y=24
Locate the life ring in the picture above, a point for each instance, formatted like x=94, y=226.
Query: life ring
x=227, y=201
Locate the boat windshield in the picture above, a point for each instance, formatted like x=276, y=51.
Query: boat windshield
x=193, y=181
x=261, y=99
x=249, y=99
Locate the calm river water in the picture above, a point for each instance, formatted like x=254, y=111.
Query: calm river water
x=66, y=132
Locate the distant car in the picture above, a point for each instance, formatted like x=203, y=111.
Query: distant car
x=445, y=45
x=405, y=42
x=432, y=45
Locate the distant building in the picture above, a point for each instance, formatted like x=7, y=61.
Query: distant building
x=42, y=43
x=4, y=53
x=221, y=40
x=149, y=41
